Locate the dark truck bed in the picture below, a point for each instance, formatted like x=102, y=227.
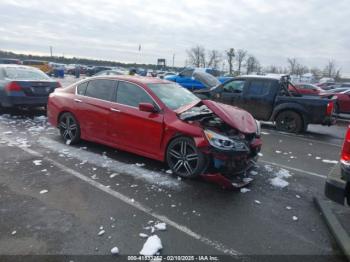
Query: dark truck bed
x=268, y=99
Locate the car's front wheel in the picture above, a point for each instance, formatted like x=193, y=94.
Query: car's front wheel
x=69, y=128
x=184, y=158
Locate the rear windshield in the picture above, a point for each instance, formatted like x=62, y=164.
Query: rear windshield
x=25, y=74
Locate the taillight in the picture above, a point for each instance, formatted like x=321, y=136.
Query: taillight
x=345, y=153
x=330, y=107
x=13, y=87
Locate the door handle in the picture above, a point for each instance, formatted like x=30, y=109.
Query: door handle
x=78, y=100
x=114, y=110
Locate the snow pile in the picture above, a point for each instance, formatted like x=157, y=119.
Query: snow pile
x=279, y=178
x=151, y=247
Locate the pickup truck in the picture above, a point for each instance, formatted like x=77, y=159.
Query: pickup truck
x=267, y=98
x=185, y=78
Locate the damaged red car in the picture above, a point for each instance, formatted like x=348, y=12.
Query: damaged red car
x=160, y=120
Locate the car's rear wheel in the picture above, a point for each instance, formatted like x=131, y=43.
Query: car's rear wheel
x=69, y=128
x=289, y=121
x=184, y=158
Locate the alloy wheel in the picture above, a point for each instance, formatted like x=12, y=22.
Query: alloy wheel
x=183, y=158
x=68, y=127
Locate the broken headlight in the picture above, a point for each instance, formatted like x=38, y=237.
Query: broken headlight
x=224, y=142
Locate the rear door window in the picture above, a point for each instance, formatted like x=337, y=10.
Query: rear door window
x=259, y=87
x=102, y=89
x=132, y=95
x=234, y=86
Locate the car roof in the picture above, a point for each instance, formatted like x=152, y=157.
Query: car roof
x=259, y=77
x=135, y=79
x=17, y=66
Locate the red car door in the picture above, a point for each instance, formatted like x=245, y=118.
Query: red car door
x=131, y=128
x=92, y=108
x=344, y=102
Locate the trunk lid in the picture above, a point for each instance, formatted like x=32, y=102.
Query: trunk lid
x=37, y=88
x=233, y=116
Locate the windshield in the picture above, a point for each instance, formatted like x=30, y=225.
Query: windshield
x=173, y=95
x=18, y=73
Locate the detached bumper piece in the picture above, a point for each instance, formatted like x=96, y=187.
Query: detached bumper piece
x=225, y=182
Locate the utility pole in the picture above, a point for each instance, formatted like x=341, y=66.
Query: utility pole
x=51, y=51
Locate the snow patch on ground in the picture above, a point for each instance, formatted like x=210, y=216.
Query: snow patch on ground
x=112, y=165
x=244, y=190
x=44, y=191
x=152, y=245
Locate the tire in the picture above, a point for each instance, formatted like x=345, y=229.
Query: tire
x=184, y=158
x=69, y=128
x=289, y=121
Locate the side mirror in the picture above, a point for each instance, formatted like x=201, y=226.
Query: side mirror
x=147, y=107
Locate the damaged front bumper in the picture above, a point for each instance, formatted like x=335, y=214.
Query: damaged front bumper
x=228, y=168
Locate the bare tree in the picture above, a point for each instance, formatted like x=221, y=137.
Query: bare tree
x=272, y=69
x=330, y=69
x=292, y=64
x=300, y=69
x=196, y=56
x=240, y=57
x=230, y=56
x=252, y=65
x=214, y=59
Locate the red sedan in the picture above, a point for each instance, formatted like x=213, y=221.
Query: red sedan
x=160, y=120
x=306, y=89
x=343, y=100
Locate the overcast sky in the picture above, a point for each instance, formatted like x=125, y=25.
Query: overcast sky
x=313, y=31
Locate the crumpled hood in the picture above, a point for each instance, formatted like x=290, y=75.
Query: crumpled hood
x=233, y=116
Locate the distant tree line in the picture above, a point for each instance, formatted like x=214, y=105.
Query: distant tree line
x=241, y=62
